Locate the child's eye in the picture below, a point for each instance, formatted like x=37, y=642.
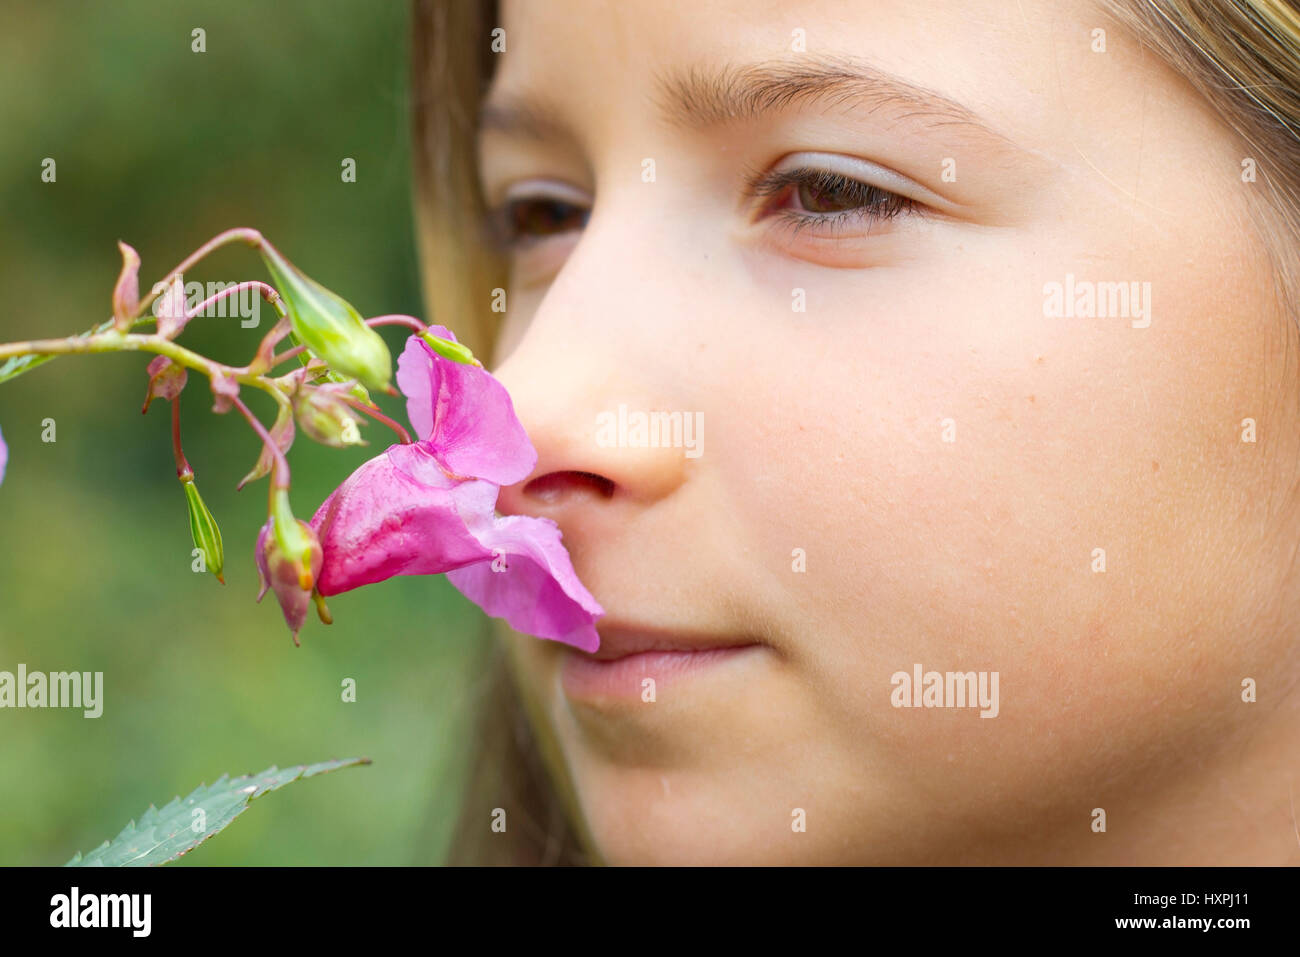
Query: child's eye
x=807, y=196
x=520, y=222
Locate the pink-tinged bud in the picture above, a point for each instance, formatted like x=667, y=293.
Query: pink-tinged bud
x=126, y=294
x=166, y=379
x=169, y=309
x=289, y=559
x=326, y=418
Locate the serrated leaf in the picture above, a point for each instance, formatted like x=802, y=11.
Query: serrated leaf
x=164, y=834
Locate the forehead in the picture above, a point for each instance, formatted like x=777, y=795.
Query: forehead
x=593, y=59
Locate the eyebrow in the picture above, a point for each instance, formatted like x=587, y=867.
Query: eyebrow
x=701, y=98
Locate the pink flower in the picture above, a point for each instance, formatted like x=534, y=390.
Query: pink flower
x=4, y=456
x=429, y=508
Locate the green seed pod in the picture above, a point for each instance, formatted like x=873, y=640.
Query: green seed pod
x=204, y=530
x=329, y=326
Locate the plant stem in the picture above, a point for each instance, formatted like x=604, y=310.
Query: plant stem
x=183, y=470
x=378, y=417
x=242, y=234
x=280, y=474
x=397, y=320
x=267, y=292
x=132, y=342
x=287, y=354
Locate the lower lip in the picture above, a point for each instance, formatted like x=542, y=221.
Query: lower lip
x=587, y=677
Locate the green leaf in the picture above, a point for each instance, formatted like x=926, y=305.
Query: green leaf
x=165, y=834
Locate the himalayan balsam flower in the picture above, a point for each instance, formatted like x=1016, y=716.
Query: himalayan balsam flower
x=429, y=507
x=4, y=456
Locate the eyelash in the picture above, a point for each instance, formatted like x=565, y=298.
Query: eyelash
x=499, y=222
x=869, y=202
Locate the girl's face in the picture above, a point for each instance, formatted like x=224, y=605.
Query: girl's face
x=954, y=314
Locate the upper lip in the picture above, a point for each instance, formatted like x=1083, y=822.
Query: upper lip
x=618, y=640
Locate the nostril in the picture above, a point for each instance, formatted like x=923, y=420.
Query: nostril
x=554, y=486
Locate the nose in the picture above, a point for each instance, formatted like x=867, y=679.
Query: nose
x=568, y=400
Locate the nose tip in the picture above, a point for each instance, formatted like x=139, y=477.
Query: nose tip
x=560, y=400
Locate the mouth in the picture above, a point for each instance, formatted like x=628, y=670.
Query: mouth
x=639, y=662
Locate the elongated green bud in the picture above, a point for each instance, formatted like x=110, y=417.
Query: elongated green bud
x=329, y=326
x=455, y=351
x=204, y=530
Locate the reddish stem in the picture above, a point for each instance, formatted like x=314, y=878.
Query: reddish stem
x=263, y=360
x=250, y=236
x=266, y=292
x=396, y=320
x=280, y=474
x=378, y=417
x=183, y=470
x=286, y=354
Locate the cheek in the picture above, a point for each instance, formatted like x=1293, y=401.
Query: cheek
x=957, y=466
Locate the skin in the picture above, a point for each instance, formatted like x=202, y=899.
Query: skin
x=824, y=431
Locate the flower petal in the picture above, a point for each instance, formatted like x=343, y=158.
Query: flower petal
x=263, y=573
x=395, y=515
x=530, y=582
x=464, y=414
x=4, y=456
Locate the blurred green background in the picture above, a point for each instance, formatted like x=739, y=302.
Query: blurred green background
x=163, y=147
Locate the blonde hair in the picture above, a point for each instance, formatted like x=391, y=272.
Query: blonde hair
x=1243, y=56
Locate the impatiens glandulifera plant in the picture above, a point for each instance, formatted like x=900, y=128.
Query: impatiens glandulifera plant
x=424, y=506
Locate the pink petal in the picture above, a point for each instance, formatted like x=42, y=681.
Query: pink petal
x=263, y=573
x=395, y=515
x=530, y=582
x=463, y=414
x=4, y=457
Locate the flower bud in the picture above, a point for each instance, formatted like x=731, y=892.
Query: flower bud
x=326, y=418
x=289, y=559
x=448, y=349
x=126, y=294
x=204, y=530
x=329, y=326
